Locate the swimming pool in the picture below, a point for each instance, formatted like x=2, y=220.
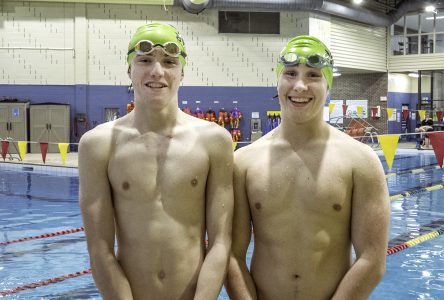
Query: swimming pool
x=35, y=202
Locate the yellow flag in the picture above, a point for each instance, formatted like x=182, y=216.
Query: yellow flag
x=359, y=108
x=422, y=114
x=234, y=144
x=389, y=143
x=331, y=106
x=22, y=149
x=63, y=148
x=389, y=113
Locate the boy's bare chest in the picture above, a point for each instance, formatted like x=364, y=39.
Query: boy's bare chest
x=291, y=184
x=159, y=165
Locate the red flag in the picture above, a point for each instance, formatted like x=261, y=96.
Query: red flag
x=5, y=145
x=374, y=112
x=439, y=115
x=43, y=150
x=405, y=114
x=344, y=109
x=437, y=140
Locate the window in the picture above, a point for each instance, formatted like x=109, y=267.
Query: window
x=412, y=24
x=418, y=34
x=398, y=39
x=439, y=22
x=249, y=22
x=440, y=43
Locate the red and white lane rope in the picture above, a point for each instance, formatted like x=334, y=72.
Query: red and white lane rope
x=43, y=283
x=42, y=236
x=390, y=251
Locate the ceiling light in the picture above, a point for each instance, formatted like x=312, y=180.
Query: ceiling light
x=437, y=17
x=336, y=74
x=430, y=8
x=357, y=1
x=414, y=75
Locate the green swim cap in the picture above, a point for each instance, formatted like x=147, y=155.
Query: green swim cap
x=305, y=46
x=158, y=33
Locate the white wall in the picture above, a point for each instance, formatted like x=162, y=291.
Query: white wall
x=359, y=46
x=401, y=83
x=76, y=43
x=87, y=43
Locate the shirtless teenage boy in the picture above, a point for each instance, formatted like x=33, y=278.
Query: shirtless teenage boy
x=311, y=193
x=157, y=179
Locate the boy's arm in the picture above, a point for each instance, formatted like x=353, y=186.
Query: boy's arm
x=219, y=214
x=98, y=217
x=369, y=230
x=239, y=283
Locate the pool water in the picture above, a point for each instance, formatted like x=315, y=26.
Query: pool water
x=32, y=203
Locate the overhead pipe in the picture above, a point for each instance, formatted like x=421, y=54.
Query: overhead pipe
x=362, y=15
x=268, y=5
x=195, y=6
x=331, y=7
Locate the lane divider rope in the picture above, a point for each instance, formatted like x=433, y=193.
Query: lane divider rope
x=413, y=171
x=424, y=189
x=415, y=241
x=390, y=251
x=42, y=236
x=43, y=282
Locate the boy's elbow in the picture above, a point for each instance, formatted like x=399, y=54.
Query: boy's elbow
x=381, y=270
x=378, y=271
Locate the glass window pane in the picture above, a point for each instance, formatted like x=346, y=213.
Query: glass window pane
x=412, y=24
x=398, y=44
x=439, y=22
x=427, y=22
x=233, y=22
x=398, y=27
x=412, y=45
x=427, y=43
x=264, y=22
x=439, y=48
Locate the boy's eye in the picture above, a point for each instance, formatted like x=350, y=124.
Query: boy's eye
x=171, y=61
x=314, y=74
x=144, y=59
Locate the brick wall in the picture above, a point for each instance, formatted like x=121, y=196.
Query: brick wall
x=364, y=87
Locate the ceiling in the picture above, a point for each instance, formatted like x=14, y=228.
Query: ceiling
x=389, y=6
x=381, y=6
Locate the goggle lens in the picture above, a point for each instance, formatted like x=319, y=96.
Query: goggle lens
x=291, y=58
x=315, y=60
x=144, y=46
x=171, y=49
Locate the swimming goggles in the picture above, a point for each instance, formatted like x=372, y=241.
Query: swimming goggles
x=145, y=47
x=314, y=60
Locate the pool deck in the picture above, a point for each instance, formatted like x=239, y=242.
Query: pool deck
x=54, y=159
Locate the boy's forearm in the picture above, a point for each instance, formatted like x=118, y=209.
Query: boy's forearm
x=212, y=273
x=360, y=280
x=239, y=283
x=110, y=278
